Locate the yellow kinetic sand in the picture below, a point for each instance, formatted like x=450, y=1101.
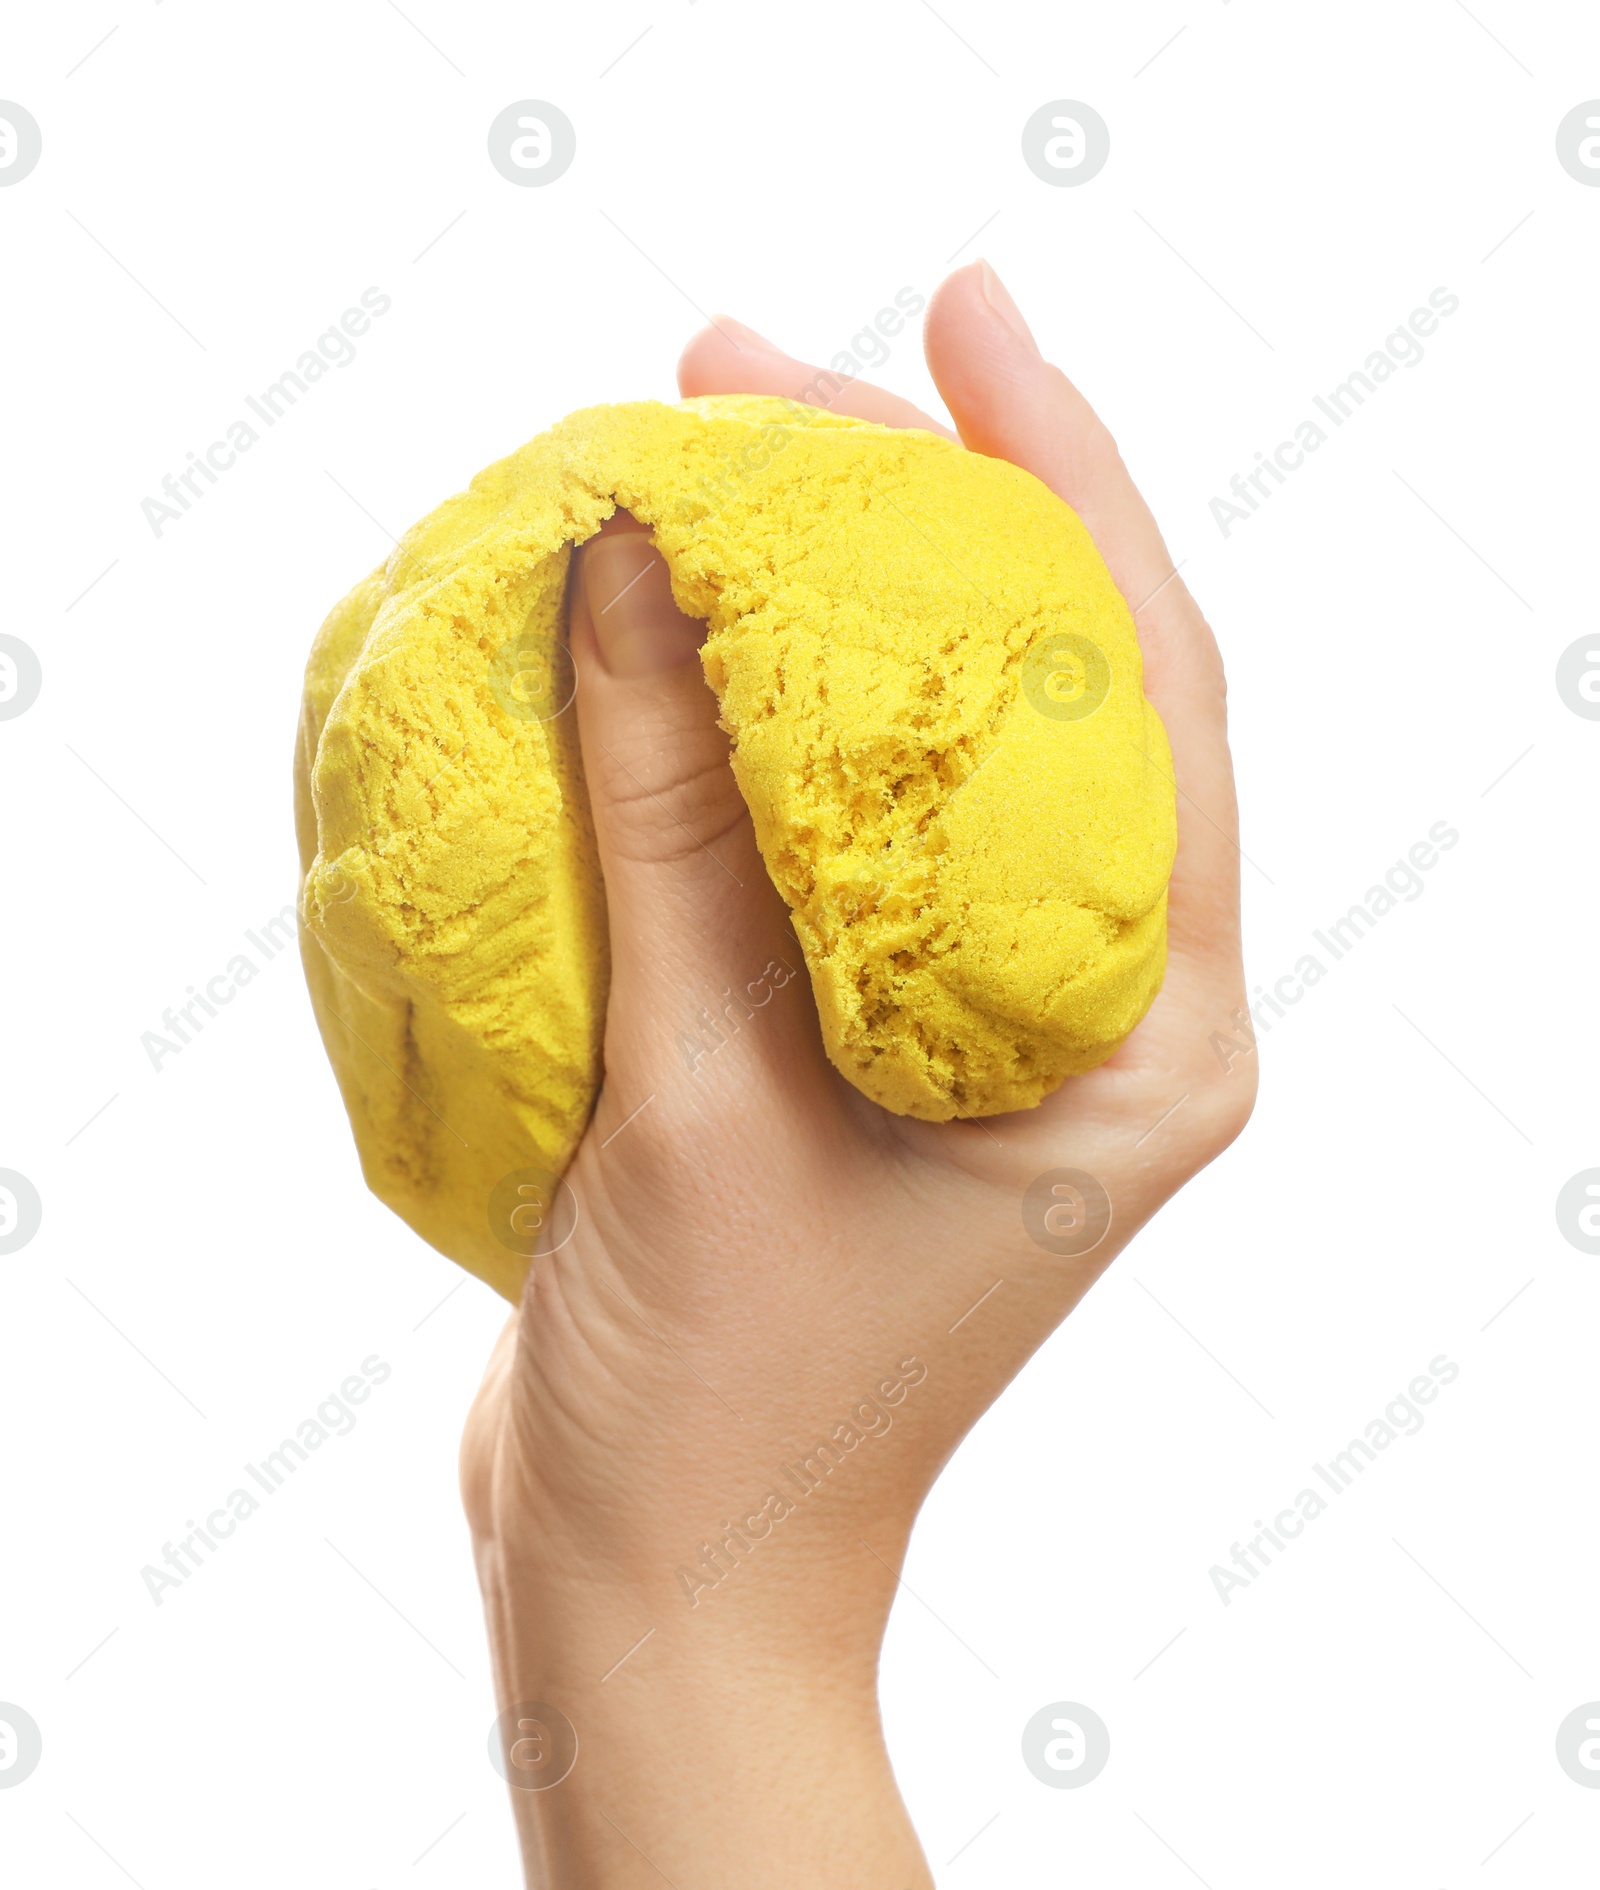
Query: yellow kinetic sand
x=934, y=693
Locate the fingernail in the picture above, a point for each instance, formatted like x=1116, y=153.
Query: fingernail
x=746, y=340
x=639, y=629
x=999, y=299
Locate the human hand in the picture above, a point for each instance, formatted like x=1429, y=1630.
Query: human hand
x=765, y=1262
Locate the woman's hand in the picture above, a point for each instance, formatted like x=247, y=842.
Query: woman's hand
x=701, y=1443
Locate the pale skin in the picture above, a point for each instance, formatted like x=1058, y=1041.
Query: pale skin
x=761, y=1247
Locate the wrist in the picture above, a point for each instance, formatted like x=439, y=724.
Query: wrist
x=807, y=1612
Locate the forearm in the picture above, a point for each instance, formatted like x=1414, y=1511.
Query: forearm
x=721, y=1747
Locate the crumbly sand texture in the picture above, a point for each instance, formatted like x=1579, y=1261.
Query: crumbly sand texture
x=934, y=692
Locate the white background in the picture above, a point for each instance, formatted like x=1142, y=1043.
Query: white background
x=1285, y=185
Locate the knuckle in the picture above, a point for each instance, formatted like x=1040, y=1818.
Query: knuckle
x=664, y=821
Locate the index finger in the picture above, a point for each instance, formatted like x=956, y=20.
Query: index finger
x=728, y=358
x=1011, y=403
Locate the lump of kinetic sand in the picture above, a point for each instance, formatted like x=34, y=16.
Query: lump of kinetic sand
x=933, y=688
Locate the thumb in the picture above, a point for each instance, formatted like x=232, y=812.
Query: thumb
x=693, y=915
